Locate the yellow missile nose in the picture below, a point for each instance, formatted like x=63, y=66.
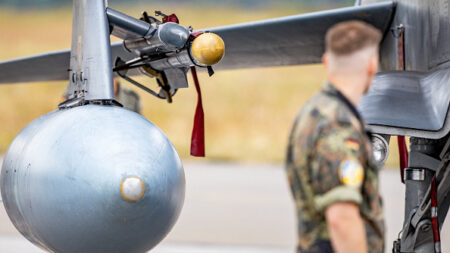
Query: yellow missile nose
x=208, y=49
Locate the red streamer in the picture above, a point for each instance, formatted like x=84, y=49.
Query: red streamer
x=434, y=216
x=171, y=18
x=403, y=151
x=198, y=132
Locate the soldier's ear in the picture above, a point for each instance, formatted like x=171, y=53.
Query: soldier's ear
x=372, y=69
x=325, y=59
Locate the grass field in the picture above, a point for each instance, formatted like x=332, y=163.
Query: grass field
x=248, y=112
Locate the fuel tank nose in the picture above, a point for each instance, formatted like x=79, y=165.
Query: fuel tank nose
x=78, y=180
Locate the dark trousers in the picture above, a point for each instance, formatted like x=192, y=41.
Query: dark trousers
x=318, y=247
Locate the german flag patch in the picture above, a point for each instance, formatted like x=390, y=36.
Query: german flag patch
x=352, y=144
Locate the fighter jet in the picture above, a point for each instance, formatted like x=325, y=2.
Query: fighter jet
x=94, y=177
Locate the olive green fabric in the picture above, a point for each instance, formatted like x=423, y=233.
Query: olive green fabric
x=338, y=194
x=328, y=161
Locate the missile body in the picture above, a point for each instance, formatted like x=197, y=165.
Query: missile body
x=171, y=39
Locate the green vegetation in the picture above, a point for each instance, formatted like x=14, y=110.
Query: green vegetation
x=248, y=112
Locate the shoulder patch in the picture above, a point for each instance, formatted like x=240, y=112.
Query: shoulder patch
x=351, y=173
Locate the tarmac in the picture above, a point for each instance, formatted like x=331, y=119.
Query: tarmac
x=237, y=208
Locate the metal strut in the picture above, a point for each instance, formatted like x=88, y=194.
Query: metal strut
x=122, y=68
x=427, y=187
x=90, y=58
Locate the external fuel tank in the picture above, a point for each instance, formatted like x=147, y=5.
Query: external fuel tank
x=94, y=179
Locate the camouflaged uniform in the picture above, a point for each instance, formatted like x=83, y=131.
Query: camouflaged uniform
x=330, y=160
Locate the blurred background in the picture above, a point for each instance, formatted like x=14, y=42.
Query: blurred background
x=248, y=113
x=237, y=197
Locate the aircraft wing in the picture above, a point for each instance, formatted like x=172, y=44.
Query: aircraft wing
x=291, y=40
x=42, y=67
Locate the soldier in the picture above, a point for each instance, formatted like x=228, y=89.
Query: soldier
x=329, y=160
x=127, y=97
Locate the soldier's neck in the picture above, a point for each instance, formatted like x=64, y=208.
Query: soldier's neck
x=352, y=87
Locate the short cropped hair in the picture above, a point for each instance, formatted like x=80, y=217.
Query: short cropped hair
x=348, y=37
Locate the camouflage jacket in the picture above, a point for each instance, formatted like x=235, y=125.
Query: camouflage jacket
x=329, y=160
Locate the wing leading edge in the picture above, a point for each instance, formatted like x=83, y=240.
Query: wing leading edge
x=291, y=40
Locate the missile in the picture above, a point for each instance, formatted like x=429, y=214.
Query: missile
x=149, y=39
x=206, y=50
x=164, y=48
x=145, y=38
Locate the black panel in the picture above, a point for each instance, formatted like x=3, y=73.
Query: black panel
x=410, y=100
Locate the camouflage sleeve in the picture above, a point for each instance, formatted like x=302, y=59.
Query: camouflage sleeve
x=336, y=171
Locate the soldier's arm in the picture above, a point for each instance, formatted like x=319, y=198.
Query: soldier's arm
x=338, y=175
x=346, y=228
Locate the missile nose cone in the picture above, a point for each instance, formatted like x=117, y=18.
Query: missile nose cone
x=132, y=189
x=208, y=49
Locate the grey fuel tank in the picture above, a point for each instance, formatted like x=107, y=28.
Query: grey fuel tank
x=93, y=179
